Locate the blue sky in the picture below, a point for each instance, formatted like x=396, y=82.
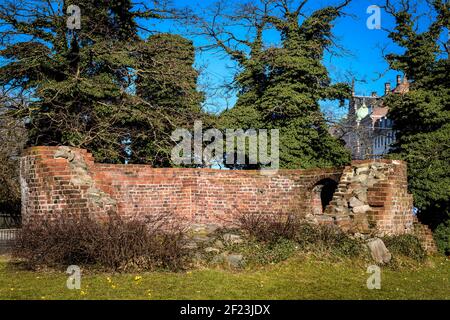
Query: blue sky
x=362, y=56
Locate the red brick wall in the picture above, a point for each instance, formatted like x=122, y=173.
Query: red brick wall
x=390, y=201
x=425, y=236
x=71, y=183
x=53, y=186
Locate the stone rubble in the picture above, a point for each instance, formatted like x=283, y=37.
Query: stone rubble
x=350, y=204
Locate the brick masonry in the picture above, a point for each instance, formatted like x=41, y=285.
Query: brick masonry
x=63, y=180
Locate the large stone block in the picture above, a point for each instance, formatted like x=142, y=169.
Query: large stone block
x=378, y=251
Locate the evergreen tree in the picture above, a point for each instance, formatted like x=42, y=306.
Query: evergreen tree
x=298, y=81
x=422, y=116
x=167, y=86
x=249, y=53
x=79, y=79
x=280, y=88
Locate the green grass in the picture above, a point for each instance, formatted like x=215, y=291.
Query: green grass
x=296, y=278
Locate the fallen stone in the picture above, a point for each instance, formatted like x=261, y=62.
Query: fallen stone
x=220, y=258
x=236, y=260
x=218, y=244
x=378, y=251
x=232, y=238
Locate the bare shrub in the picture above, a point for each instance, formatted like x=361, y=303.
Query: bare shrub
x=116, y=244
x=327, y=239
x=269, y=227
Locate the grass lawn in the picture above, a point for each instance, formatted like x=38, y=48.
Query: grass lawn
x=296, y=278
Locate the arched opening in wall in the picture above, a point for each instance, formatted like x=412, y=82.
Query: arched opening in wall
x=322, y=194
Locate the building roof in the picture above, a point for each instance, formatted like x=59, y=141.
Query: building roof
x=380, y=111
x=362, y=107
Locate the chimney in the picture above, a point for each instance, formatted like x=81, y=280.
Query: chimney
x=374, y=93
x=387, y=88
x=405, y=85
x=399, y=79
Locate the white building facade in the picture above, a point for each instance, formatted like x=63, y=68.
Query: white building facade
x=367, y=131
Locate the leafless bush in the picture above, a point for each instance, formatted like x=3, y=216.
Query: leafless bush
x=116, y=244
x=269, y=227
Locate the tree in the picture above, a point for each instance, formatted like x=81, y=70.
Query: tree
x=280, y=87
x=251, y=78
x=79, y=79
x=422, y=116
x=167, y=87
x=298, y=81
